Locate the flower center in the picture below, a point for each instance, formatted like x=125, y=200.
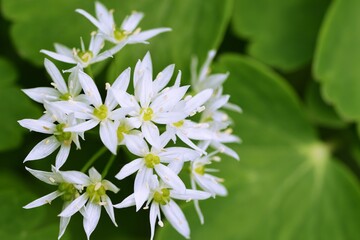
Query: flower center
x=62, y=136
x=95, y=192
x=65, y=96
x=151, y=160
x=147, y=114
x=162, y=197
x=85, y=56
x=68, y=190
x=179, y=123
x=119, y=35
x=122, y=129
x=200, y=170
x=101, y=112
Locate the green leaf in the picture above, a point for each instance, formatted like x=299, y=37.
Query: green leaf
x=196, y=28
x=287, y=185
x=337, y=58
x=281, y=33
x=14, y=106
x=319, y=111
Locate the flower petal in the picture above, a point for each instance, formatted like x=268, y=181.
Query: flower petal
x=137, y=145
x=108, y=135
x=151, y=134
x=94, y=175
x=43, y=200
x=141, y=186
x=43, y=149
x=167, y=100
x=83, y=127
x=168, y=117
x=62, y=155
x=59, y=57
x=90, y=89
x=169, y=177
x=127, y=202
x=154, y=212
x=76, y=177
x=91, y=218
x=163, y=78
x=198, y=100
x=190, y=194
x=40, y=126
x=56, y=76
x=176, y=217
x=130, y=22
x=47, y=177
x=40, y=94
x=91, y=19
x=130, y=168
x=74, y=206
x=64, y=222
x=145, y=35
x=109, y=208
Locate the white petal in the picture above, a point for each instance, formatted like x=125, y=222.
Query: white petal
x=215, y=81
x=176, y=217
x=38, y=125
x=76, y=177
x=127, y=202
x=122, y=81
x=62, y=155
x=188, y=142
x=40, y=94
x=43, y=149
x=168, y=99
x=91, y=19
x=154, y=212
x=233, y=107
x=145, y=35
x=56, y=76
x=64, y=50
x=190, y=195
x=176, y=166
x=73, y=82
x=143, y=87
x=130, y=168
x=137, y=145
x=94, y=175
x=105, y=17
x=169, y=177
x=110, y=186
x=79, y=109
x=163, y=78
x=130, y=22
x=169, y=117
x=108, y=135
x=226, y=150
x=83, y=127
x=109, y=208
x=141, y=186
x=64, y=222
x=196, y=203
x=178, y=154
x=47, y=177
x=91, y=218
x=90, y=89
x=124, y=99
x=74, y=206
x=205, y=68
x=120, y=113
x=96, y=44
x=151, y=134
x=59, y=57
x=43, y=200
x=209, y=184
x=198, y=100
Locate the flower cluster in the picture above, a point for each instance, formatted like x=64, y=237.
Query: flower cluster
x=165, y=126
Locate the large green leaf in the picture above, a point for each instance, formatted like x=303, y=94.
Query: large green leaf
x=14, y=105
x=338, y=57
x=282, y=33
x=196, y=26
x=287, y=186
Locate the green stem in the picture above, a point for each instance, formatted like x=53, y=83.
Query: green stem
x=93, y=159
x=108, y=165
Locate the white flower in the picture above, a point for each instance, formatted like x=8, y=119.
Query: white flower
x=99, y=113
x=94, y=197
x=150, y=160
x=125, y=128
x=149, y=104
x=209, y=183
x=83, y=57
x=127, y=32
x=161, y=197
x=55, y=126
x=61, y=90
x=68, y=191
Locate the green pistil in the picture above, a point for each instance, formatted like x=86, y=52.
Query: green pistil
x=120, y=132
x=200, y=170
x=101, y=112
x=65, y=97
x=95, y=192
x=119, y=35
x=179, y=123
x=162, y=197
x=151, y=160
x=147, y=113
x=62, y=136
x=69, y=191
x=85, y=56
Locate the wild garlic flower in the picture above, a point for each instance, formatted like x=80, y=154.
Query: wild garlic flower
x=151, y=160
x=59, y=138
x=83, y=57
x=151, y=103
x=68, y=191
x=199, y=173
x=61, y=90
x=127, y=33
x=99, y=112
x=161, y=198
x=91, y=201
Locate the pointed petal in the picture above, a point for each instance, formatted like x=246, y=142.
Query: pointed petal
x=145, y=35
x=110, y=186
x=108, y=135
x=154, y=212
x=43, y=149
x=169, y=117
x=76, y=177
x=190, y=194
x=64, y=222
x=226, y=150
x=130, y=22
x=124, y=99
x=91, y=218
x=169, y=177
x=40, y=126
x=105, y=17
x=90, y=18
x=167, y=100
x=178, y=154
x=83, y=127
x=62, y=49
x=47, y=177
x=74, y=206
x=151, y=134
x=137, y=145
x=56, y=76
x=141, y=186
x=40, y=94
x=59, y=57
x=205, y=68
x=176, y=217
x=109, y=208
x=62, y=155
x=130, y=168
x=188, y=142
x=90, y=89
x=94, y=175
x=163, y=78
x=198, y=100
x=43, y=200
x=127, y=202
x=120, y=113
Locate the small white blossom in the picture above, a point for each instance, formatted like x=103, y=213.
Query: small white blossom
x=161, y=198
x=91, y=201
x=68, y=191
x=126, y=33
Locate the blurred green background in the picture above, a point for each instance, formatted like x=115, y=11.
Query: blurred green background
x=294, y=69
